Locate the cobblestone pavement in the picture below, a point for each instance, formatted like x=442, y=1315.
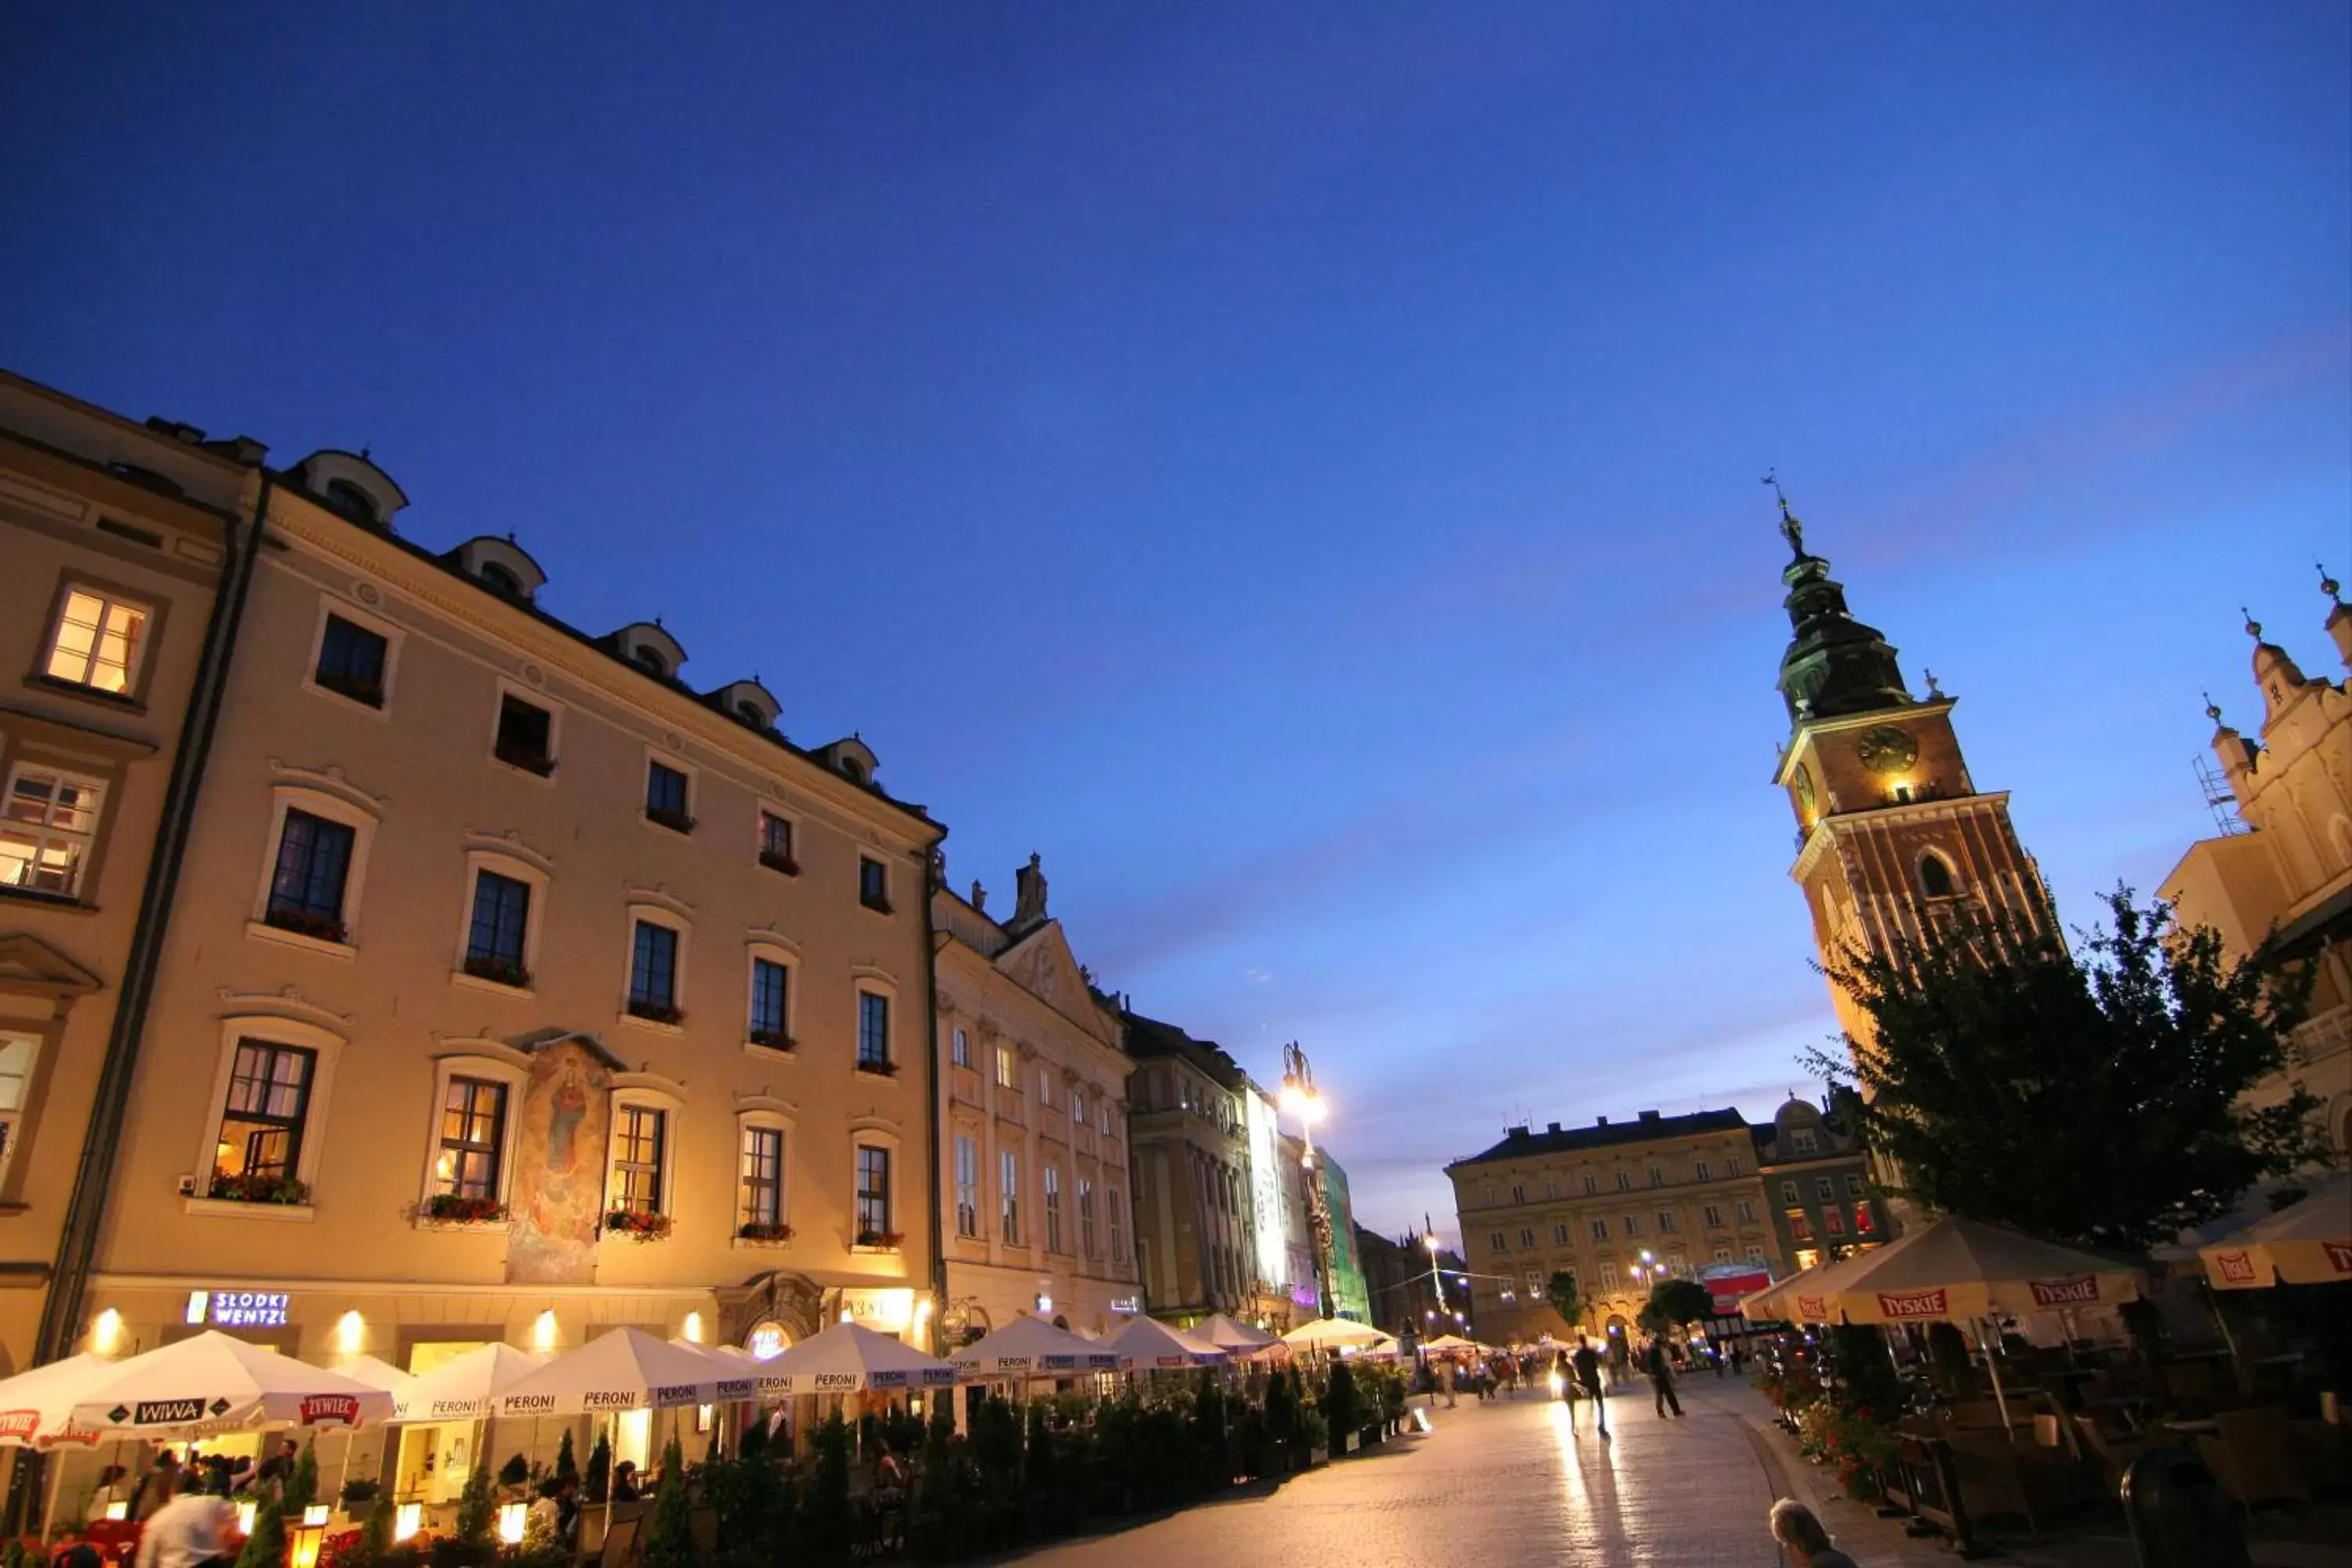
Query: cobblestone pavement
x=1499, y=1485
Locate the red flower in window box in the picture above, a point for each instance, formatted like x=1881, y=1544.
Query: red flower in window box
x=775, y=862
x=637, y=1226
x=656, y=1012
x=450, y=1208
x=676, y=821
x=771, y=1039
x=258, y=1188
x=528, y=759
x=505, y=971
x=305, y=923
x=879, y=1069
x=757, y=1231
x=885, y=1238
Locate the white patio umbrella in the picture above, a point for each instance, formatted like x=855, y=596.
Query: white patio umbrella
x=1027, y=1348
x=374, y=1371
x=2305, y=1243
x=1147, y=1344
x=1233, y=1335
x=848, y=1357
x=212, y=1382
x=622, y=1369
x=1339, y=1333
x=465, y=1387
x=1448, y=1344
x=738, y=1364
x=37, y=1406
x=1952, y=1269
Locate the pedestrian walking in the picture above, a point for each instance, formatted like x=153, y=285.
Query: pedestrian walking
x=1661, y=1379
x=1794, y=1527
x=1587, y=1362
x=1563, y=1378
x=1445, y=1381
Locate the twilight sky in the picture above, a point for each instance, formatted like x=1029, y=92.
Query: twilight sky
x=1296, y=466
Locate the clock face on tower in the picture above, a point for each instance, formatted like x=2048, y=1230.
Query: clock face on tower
x=1804, y=790
x=1888, y=748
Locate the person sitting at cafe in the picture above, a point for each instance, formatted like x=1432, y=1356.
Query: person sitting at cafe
x=625, y=1482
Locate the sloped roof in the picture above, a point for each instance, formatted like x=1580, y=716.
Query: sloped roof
x=1519, y=1143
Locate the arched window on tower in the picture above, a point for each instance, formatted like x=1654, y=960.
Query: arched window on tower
x=1936, y=878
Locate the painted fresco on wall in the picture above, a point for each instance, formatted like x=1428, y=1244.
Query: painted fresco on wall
x=559, y=1180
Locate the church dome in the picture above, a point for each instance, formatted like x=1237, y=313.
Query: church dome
x=1795, y=1112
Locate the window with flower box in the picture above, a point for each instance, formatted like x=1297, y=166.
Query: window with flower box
x=257, y=1157
x=668, y=798
x=525, y=736
x=640, y=1145
x=874, y=1226
x=760, y=1215
x=874, y=1032
x=496, y=938
x=307, y=885
x=351, y=661
x=776, y=844
x=473, y=1137
x=653, y=973
x=48, y=825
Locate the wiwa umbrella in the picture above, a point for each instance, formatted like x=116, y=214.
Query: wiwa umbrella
x=212, y=1382
x=465, y=1387
x=1338, y=1333
x=1147, y=1344
x=1952, y=1269
x=2305, y=1243
x=1231, y=1334
x=1030, y=1347
x=37, y=1406
x=622, y=1369
x=848, y=1357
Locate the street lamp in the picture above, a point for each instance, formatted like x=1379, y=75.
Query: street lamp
x=1436, y=1280
x=1298, y=1097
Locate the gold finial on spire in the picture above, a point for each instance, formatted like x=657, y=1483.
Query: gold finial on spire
x=2253, y=626
x=1791, y=529
x=2327, y=584
x=2213, y=709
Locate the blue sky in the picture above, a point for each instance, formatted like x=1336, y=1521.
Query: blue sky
x=1297, y=466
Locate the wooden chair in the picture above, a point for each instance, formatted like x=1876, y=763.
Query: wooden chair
x=620, y=1548
x=2111, y=1452
x=2253, y=1459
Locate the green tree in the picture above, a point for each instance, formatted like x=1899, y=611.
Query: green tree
x=266, y=1547
x=566, y=1467
x=596, y=1485
x=1561, y=1290
x=2090, y=1098
x=302, y=1486
x=826, y=1528
x=476, y=1515
x=1674, y=1302
x=669, y=1537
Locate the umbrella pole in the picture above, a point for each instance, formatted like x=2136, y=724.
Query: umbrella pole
x=1985, y=1333
x=2229, y=1340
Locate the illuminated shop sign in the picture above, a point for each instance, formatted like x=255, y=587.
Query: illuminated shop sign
x=248, y=1309
x=1265, y=1185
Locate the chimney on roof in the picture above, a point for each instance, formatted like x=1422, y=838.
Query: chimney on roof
x=1553, y=1128
x=1514, y=1133
x=1649, y=1116
x=186, y=434
x=1601, y=1121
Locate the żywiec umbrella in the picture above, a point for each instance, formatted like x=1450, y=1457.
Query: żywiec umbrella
x=1147, y=1344
x=2305, y=1243
x=848, y=1357
x=622, y=1369
x=37, y=1406
x=1031, y=1347
x=1230, y=1335
x=212, y=1382
x=465, y=1387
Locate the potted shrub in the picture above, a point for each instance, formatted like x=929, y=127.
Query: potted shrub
x=258, y=1188
x=453, y=1208
x=505, y=971
x=761, y=1231
x=881, y=1239
x=305, y=923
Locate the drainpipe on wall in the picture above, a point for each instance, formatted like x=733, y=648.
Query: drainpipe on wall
x=93, y=1176
x=931, y=944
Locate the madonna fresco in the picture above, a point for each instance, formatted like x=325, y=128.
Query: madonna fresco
x=559, y=1180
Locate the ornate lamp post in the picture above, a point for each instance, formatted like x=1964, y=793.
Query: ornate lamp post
x=1298, y=1097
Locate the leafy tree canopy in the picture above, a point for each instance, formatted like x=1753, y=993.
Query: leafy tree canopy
x=1673, y=1301
x=1561, y=1290
x=2090, y=1096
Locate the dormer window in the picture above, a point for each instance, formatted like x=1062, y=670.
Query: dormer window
x=651, y=661
x=498, y=580
x=852, y=768
x=352, y=502
x=749, y=713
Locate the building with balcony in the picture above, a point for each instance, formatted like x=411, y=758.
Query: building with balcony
x=1033, y=1156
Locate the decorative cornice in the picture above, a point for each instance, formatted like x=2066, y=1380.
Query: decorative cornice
x=286, y=1001
x=329, y=780
x=660, y=897
x=509, y=843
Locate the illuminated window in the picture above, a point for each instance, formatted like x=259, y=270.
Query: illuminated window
x=17, y=1054
x=763, y=1176
x=1833, y=1220
x=473, y=1125
x=873, y=1193
x=262, y=1122
x=1053, y=1209
x=99, y=641
x=967, y=1173
x=1004, y=1066
x=640, y=1136
x=1008, y=1187
x=1087, y=1216
x=48, y=825
x=1799, y=1226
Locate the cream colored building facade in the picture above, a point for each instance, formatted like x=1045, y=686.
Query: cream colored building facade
x=1189, y=1120
x=516, y=988
x=115, y=537
x=1032, y=1157
x=1617, y=1204
x=2284, y=889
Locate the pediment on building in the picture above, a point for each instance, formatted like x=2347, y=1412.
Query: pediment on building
x=28, y=964
x=1042, y=963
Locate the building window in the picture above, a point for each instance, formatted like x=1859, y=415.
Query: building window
x=494, y=941
x=1607, y=1277
x=1592, y=1187
x=47, y=825
x=1526, y=1238
x=351, y=661
x=526, y=737
x=1731, y=1165
x=1666, y=1222
x=1079, y=1109
x=1789, y=1192
x=1824, y=1189
x=473, y=1129
x=1086, y=1216
x=1496, y=1242
x=1045, y=1086
x=1854, y=1184
x=1799, y=1226
x=1703, y=1172
x=1054, y=1209
x=1862, y=1224
x=640, y=1133
x=1755, y=1253
x=873, y=1031
x=874, y=1196
x=771, y=985
x=17, y=1054
x=1632, y=1224
x=1519, y=1194
x=1490, y=1197
x=1003, y=1066
x=666, y=798
x=1802, y=1137
x=1624, y=1182
x=873, y=884
x=1599, y=1230
x=1713, y=1216
x=653, y=975
x=967, y=1179
x=1117, y=1224
x=960, y=1048
x=99, y=642
x=260, y=1146
x=1658, y=1176
x=306, y=889
x=1551, y=1190
x=764, y=1180
x=1008, y=1186
x=1746, y=1212
x=776, y=844
x=1935, y=877
x=1833, y=1220
x=1560, y=1235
